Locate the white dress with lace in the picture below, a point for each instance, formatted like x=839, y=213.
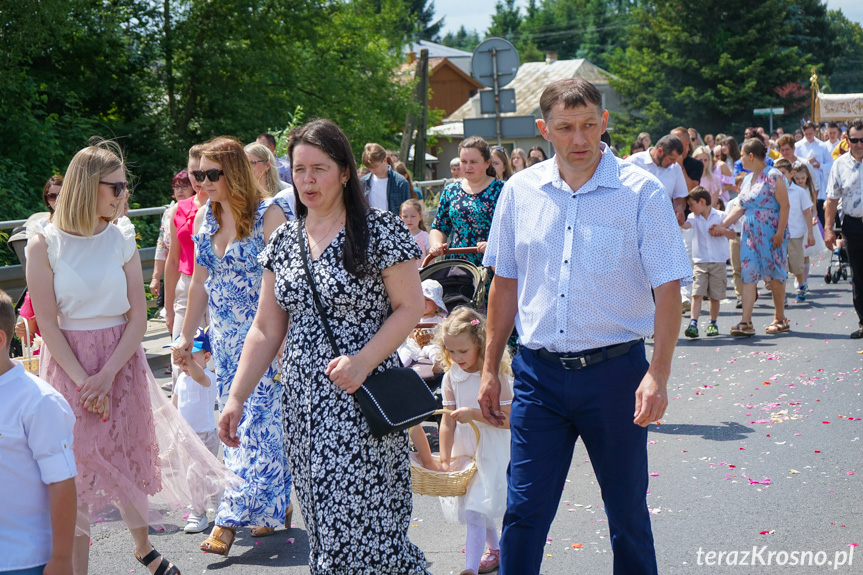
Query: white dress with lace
x=486, y=492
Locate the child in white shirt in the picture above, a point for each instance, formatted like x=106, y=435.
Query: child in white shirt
x=801, y=192
x=37, y=466
x=195, y=396
x=709, y=254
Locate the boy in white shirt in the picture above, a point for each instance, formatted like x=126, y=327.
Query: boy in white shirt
x=799, y=223
x=37, y=467
x=709, y=254
x=195, y=397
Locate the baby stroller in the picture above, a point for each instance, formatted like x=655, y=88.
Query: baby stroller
x=463, y=283
x=838, y=259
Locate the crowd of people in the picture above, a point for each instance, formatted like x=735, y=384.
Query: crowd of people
x=255, y=249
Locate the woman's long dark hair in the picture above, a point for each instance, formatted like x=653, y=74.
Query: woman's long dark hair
x=326, y=136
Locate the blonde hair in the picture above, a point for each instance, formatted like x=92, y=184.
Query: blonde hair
x=708, y=169
x=796, y=167
x=75, y=210
x=244, y=194
x=271, y=181
x=469, y=321
x=419, y=207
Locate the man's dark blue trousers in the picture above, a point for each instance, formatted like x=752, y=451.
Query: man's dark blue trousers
x=553, y=407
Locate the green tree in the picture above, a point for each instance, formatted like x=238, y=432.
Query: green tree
x=506, y=20
x=706, y=65
x=846, y=56
x=427, y=27
x=160, y=76
x=589, y=29
x=462, y=39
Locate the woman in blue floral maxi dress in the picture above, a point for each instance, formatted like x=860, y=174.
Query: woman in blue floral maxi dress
x=764, y=241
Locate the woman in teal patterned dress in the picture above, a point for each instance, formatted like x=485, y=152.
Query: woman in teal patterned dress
x=232, y=229
x=467, y=206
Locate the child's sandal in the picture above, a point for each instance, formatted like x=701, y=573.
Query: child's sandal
x=490, y=561
x=165, y=567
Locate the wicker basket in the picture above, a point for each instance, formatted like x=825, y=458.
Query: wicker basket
x=422, y=336
x=443, y=483
x=29, y=360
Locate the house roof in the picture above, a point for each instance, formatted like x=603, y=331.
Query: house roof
x=436, y=50
x=408, y=69
x=436, y=64
x=532, y=78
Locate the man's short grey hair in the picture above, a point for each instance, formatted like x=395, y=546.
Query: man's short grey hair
x=670, y=144
x=454, y=162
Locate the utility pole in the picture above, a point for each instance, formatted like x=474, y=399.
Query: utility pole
x=419, y=167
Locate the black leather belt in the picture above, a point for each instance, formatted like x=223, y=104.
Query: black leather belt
x=586, y=358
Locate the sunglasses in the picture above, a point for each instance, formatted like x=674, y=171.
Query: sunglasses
x=855, y=140
x=51, y=196
x=119, y=187
x=212, y=175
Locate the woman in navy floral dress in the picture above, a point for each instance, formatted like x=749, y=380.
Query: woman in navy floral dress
x=466, y=206
x=354, y=490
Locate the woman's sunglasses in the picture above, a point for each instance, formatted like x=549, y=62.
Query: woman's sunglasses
x=212, y=175
x=51, y=196
x=119, y=187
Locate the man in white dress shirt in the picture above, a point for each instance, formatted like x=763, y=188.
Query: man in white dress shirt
x=845, y=195
x=811, y=149
x=661, y=161
x=576, y=243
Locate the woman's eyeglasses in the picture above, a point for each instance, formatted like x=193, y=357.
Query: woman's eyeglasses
x=181, y=187
x=119, y=187
x=212, y=175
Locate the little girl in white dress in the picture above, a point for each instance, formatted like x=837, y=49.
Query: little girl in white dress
x=462, y=340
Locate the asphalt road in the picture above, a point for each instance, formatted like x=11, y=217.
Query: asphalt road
x=760, y=447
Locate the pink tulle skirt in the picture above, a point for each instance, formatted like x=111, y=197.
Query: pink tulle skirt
x=145, y=458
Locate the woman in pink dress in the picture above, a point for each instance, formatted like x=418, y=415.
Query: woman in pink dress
x=87, y=288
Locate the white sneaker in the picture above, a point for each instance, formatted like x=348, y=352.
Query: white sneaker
x=196, y=523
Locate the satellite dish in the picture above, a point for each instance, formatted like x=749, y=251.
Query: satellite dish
x=483, y=62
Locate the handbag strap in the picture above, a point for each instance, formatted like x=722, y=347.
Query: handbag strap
x=322, y=311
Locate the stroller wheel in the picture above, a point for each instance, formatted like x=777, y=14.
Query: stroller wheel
x=845, y=274
x=836, y=277
x=827, y=276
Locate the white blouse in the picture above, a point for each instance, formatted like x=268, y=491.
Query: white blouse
x=89, y=281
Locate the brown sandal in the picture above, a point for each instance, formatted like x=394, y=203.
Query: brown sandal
x=214, y=542
x=259, y=531
x=743, y=329
x=778, y=326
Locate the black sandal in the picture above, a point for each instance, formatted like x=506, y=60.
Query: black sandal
x=164, y=568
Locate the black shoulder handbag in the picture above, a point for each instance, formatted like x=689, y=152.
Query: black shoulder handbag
x=392, y=400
